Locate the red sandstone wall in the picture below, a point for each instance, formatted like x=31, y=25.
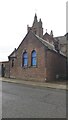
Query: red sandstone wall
x=49, y=63
x=30, y=73
x=56, y=64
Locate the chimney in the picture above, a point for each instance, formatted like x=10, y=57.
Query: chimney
x=51, y=33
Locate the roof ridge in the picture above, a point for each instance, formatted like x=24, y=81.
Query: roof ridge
x=45, y=41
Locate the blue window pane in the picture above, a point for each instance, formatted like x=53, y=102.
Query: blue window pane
x=25, y=55
x=34, y=61
x=25, y=59
x=33, y=54
x=25, y=62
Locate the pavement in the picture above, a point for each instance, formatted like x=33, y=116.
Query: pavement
x=57, y=85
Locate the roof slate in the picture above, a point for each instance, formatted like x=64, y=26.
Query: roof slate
x=44, y=42
x=47, y=44
x=61, y=39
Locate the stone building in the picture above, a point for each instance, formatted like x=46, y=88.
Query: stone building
x=4, y=69
x=37, y=57
x=61, y=43
x=36, y=27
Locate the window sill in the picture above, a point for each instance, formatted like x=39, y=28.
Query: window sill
x=33, y=66
x=25, y=67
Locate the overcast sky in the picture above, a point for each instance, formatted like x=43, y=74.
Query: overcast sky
x=16, y=14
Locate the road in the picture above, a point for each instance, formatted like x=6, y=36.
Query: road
x=24, y=101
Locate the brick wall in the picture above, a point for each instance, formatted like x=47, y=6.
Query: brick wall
x=49, y=63
x=4, y=69
x=56, y=65
x=29, y=44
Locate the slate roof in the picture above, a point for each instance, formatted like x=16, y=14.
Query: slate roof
x=61, y=39
x=44, y=42
x=47, y=44
x=13, y=53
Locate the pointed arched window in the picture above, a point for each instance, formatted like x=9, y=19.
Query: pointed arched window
x=33, y=58
x=25, y=59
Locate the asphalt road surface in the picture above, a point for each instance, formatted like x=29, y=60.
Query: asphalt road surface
x=24, y=101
